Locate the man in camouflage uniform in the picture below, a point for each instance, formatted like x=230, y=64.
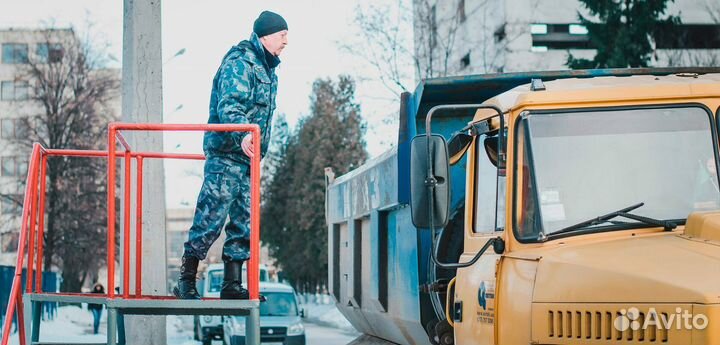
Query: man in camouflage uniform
x=243, y=91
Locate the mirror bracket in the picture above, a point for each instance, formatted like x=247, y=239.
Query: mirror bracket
x=430, y=182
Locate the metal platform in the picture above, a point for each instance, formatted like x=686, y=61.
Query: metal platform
x=144, y=305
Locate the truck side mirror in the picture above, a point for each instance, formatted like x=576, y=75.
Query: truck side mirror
x=423, y=188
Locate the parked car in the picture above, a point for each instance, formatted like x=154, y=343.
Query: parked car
x=209, y=327
x=280, y=318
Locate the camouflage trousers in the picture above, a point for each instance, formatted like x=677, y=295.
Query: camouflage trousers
x=225, y=192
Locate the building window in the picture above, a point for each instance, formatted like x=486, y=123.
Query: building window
x=538, y=29
x=689, y=36
x=14, y=90
x=9, y=241
x=461, y=11
x=559, y=36
x=465, y=61
x=14, y=53
x=11, y=205
x=11, y=166
x=49, y=52
x=176, y=241
x=577, y=29
x=13, y=129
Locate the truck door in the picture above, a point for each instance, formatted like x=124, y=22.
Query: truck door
x=474, y=308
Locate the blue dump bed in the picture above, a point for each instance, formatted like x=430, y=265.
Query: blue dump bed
x=377, y=259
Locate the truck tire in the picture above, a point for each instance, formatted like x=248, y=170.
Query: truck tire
x=430, y=330
x=445, y=333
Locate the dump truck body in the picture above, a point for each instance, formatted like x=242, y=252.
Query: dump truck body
x=535, y=288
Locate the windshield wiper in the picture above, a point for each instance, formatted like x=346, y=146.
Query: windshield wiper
x=625, y=212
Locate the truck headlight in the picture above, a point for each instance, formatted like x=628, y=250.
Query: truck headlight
x=296, y=329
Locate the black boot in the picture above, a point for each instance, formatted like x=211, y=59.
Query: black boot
x=185, y=288
x=232, y=284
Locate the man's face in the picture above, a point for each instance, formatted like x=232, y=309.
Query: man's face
x=275, y=43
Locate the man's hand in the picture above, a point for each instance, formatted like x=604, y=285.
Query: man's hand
x=247, y=145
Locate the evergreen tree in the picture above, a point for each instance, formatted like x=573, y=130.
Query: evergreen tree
x=294, y=209
x=624, y=35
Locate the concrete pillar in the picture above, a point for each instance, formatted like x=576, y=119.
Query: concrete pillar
x=142, y=103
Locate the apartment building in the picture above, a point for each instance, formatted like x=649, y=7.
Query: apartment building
x=486, y=36
x=20, y=48
x=17, y=46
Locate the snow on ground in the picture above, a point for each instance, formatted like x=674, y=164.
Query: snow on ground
x=180, y=330
x=328, y=315
x=73, y=324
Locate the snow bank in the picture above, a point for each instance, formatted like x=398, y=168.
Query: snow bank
x=72, y=324
x=327, y=315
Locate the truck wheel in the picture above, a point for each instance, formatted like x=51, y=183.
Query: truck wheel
x=430, y=330
x=445, y=333
x=207, y=341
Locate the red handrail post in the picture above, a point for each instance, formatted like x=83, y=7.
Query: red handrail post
x=253, y=268
x=126, y=231
x=111, y=211
x=138, y=227
x=41, y=224
x=21, y=319
x=15, y=291
x=31, y=239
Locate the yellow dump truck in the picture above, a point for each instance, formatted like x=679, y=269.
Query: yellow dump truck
x=538, y=208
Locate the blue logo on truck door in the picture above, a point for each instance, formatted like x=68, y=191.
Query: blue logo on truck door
x=482, y=297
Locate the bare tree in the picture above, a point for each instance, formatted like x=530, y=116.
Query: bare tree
x=430, y=37
x=70, y=103
x=694, y=57
x=385, y=43
x=713, y=8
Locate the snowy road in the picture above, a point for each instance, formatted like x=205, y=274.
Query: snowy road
x=180, y=333
x=317, y=335
x=74, y=324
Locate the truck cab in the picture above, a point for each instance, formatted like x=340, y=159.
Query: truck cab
x=605, y=206
x=575, y=207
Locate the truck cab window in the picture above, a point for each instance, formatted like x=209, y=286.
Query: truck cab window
x=489, y=192
x=526, y=217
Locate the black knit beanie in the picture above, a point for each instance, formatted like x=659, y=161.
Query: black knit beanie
x=269, y=23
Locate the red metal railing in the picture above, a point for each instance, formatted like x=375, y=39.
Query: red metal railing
x=33, y=215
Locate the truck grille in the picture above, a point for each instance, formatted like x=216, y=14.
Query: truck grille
x=606, y=323
x=600, y=326
x=273, y=331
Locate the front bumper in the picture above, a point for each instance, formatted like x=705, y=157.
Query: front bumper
x=285, y=340
x=215, y=332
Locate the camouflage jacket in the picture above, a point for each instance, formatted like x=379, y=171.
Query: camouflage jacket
x=243, y=91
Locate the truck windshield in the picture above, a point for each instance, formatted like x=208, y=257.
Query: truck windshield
x=215, y=279
x=278, y=304
x=581, y=165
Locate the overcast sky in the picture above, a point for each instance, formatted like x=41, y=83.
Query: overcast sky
x=206, y=30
